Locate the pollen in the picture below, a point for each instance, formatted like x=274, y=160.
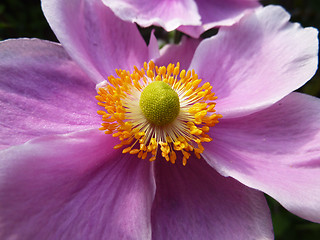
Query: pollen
x=158, y=112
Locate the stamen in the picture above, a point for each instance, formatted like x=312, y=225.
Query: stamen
x=143, y=123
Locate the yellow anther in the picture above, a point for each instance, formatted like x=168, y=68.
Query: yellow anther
x=117, y=134
x=150, y=74
x=206, y=139
x=143, y=147
x=188, y=74
x=138, y=135
x=100, y=98
x=197, y=155
x=170, y=69
x=127, y=142
x=205, y=129
x=176, y=71
x=118, y=146
x=196, y=83
x=144, y=155
x=189, y=92
x=153, y=141
x=195, y=76
x=202, y=94
x=101, y=112
x=126, y=150
x=173, y=157
x=195, y=131
x=184, y=161
x=183, y=73
x=162, y=70
x=151, y=65
x=170, y=80
x=134, y=151
x=158, y=78
x=119, y=116
x=201, y=114
x=211, y=108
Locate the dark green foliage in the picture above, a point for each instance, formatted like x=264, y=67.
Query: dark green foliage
x=19, y=18
x=290, y=227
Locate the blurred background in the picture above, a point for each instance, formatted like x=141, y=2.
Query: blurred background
x=19, y=18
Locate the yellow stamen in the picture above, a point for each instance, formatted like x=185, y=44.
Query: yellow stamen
x=184, y=132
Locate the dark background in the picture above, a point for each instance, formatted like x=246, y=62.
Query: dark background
x=19, y=18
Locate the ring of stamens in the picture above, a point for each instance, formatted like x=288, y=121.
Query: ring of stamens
x=124, y=119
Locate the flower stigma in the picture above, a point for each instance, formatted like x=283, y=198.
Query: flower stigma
x=159, y=103
x=158, y=108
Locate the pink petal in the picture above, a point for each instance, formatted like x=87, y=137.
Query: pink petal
x=182, y=53
x=258, y=61
x=224, y=13
x=94, y=37
x=195, y=202
x=276, y=151
x=42, y=92
x=74, y=186
x=189, y=16
x=168, y=14
x=219, y=13
x=153, y=48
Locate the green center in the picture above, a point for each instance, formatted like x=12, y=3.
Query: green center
x=159, y=103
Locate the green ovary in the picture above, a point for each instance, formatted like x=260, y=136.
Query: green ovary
x=159, y=103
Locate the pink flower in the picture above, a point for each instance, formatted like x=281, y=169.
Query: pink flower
x=61, y=178
x=192, y=17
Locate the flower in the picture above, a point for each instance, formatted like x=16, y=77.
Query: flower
x=61, y=178
x=192, y=17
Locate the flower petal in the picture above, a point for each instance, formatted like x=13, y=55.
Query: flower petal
x=276, y=151
x=42, y=92
x=94, y=37
x=74, y=186
x=195, y=202
x=258, y=61
x=168, y=14
x=154, y=51
x=191, y=17
x=218, y=13
x=182, y=53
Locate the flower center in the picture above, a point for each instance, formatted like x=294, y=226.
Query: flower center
x=159, y=103
x=158, y=108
